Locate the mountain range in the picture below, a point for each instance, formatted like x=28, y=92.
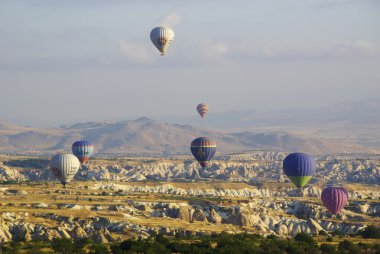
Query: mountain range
x=343, y=128
x=354, y=121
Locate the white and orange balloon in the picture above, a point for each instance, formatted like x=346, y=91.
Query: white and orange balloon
x=202, y=109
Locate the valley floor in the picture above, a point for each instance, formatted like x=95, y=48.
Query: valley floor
x=114, y=211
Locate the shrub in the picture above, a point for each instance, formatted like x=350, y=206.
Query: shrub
x=338, y=233
x=99, y=249
x=303, y=237
x=376, y=247
x=348, y=247
x=63, y=245
x=370, y=232
x=364, y=246
x=328, y=249
x=81, y=243
x=237, y=244
x=15, y=247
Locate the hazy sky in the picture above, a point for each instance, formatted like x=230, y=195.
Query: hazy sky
x=84, y=60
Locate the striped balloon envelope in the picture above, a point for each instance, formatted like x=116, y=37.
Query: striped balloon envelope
x=299, y=168
x=334, y=198
x=64, y=167
x=202, y=109
x=83, y=150
x=162, y=37
x=203, y=149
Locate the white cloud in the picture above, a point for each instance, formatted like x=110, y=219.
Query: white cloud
x=359, y=46
x=136, y=52
x=173, y=19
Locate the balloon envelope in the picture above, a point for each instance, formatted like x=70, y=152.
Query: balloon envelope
x=83, y=150
x=202, y=109
x=203, y=149
x=162, y=37
x=334, y=198
x=299, y=168
x=64, y=167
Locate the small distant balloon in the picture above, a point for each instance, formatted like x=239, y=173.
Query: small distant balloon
x=162, y=37
x=334, y=198
x=64, y=167
x=299, y=168
x=202, y=109
x=83, y=150
x=203, y=149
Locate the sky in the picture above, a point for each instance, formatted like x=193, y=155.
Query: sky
x=71, y=61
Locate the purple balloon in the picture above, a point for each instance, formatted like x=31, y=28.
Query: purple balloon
x=334, y=199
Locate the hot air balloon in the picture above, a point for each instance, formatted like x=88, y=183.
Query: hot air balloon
x=334, y=198
x=203, y=150
x=64, y=167
x=83, y=150
x=202, y=109
x=162, y=37
x=300, y=168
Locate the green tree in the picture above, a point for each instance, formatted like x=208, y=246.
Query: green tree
x=303, y=237
x=15, y=248
x=99, y=249
x=328, y=249
x=347, y=247
x=371, y=232
x=66, y=246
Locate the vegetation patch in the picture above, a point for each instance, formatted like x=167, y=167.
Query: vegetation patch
x=217, y=243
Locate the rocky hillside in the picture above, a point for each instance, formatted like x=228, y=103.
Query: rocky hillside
x=109, y=212
x=254, y=168
x=120, y=198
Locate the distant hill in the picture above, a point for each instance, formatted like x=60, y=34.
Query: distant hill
x=357, y=112
x=146, y=136
x=355, y=122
